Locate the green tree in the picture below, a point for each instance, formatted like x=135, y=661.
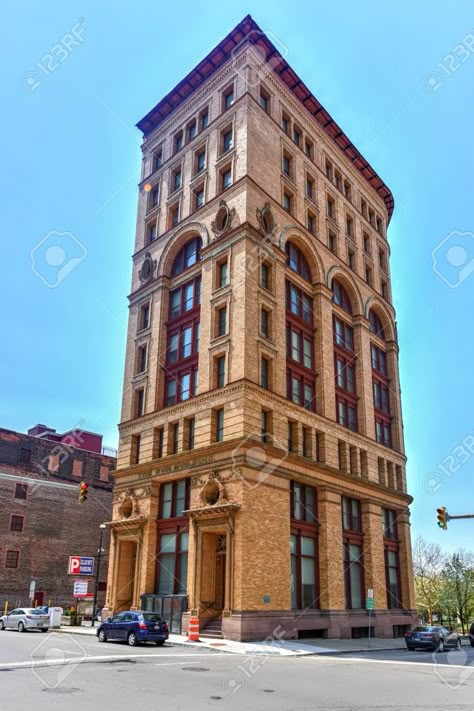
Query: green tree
x=458, y=573
x=428, y=563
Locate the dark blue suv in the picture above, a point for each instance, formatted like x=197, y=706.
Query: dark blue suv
x=134, y=627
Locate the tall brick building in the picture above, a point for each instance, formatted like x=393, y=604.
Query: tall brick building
x=261, y=471
x=42, y=523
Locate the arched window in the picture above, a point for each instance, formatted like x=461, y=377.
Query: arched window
x=375, y=324
x=188, y=256
x=297, y=261
x=341, y=297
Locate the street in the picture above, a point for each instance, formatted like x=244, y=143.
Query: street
x=79, y=672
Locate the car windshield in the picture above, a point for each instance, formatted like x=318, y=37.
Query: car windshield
x=151, y=617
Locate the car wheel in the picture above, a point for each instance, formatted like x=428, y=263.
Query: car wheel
x=2, y=626
x=411, y=649
x=44, y=630
x=132, y=639
x=21, y=627
x=160, y=642
x=472, y=642
x=440, y=647
x=102, y=637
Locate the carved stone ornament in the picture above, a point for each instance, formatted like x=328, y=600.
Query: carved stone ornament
x=147, y=269
x=266, y=220
x=223, y=219
x=129, y=505
x=213, y=492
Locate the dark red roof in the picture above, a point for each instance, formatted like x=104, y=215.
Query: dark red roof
x=249, y=32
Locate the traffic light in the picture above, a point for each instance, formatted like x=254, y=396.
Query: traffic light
x=443, y=518
x=83, y=489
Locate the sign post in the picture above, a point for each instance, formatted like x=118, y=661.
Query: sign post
x=32, y=590
x=369, y=606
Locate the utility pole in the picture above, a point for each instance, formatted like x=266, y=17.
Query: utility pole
x=97, y=572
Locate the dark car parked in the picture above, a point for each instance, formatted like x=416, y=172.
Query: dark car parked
x=436, y=638
x=133, y=628
x=471, y=635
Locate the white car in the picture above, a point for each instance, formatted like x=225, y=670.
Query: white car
x=25, y=618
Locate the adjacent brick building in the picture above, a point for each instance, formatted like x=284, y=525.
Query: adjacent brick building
x=261, y=471
x=42, y=522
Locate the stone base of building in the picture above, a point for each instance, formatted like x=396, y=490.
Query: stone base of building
x=247, y=626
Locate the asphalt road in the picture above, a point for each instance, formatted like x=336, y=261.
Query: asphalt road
x=67, y=674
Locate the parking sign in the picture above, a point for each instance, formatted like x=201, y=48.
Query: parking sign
x=81, y=565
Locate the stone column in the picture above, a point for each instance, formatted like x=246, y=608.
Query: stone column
x=373, y=553
x=406, y=564
x=331, y=579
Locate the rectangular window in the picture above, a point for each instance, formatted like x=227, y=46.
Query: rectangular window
x=346, y=413
x=200, y=161
x=222, y=271
x=158, y=159
x=204, y=118
x=21, y=491
x=285, y=123
x=173, y=216
x=382, y=260
x=227, y=142
x=332, y=242
x=16, y=523
x=329, y=170
x=310, y=187
x=349, y=226
x=287, y=201
x=331, y=208
x=139, y=402
x=222, y=321
x=351, y=258
x=363, y=207
x=343, y=335
x=291, y=436
x=226, y=178
x=265, y=276
x=220, y=371
x=264, y=373
x=308, y=148
x=303, y=572
x=192, y=130
x=219, y=419
x=347, y=190
x=158, y=438
x=389, y=524
x=392, y=579
x=178, y=142
x=228, y=98
x=351, y=518
x=144, y=319
x=264, y=323
x=174, y=499
x=310, y=222
x=383, y=432
x=264, y=426
x=366, y=239
x=172, y=564
x=175, y=438
x=296, y=136
x=286, y=164
x=135, y=449
x=152, y=234
x=353, y=576
x=177, y=182
x=302, y=502
x=199, y=198
x=12, y=558
x=141, y=359
x=154, y=197
x=384, y=289
x=191, y=430
x=264, y=100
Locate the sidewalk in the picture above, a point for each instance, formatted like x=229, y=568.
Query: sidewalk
x=288, y=648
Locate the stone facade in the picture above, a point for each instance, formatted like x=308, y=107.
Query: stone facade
x=45, y=524
x=277, y=151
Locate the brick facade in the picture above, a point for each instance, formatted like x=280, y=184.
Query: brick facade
x=54, y=525
x=250, y=507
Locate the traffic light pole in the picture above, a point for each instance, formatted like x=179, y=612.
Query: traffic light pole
x=463, y=516
x=97, y=572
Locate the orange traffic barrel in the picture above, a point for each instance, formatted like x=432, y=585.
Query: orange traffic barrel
x=193, y=629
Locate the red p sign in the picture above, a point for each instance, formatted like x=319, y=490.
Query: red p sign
x=74, y=564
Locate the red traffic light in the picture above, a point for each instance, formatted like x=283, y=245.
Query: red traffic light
x=83, y=489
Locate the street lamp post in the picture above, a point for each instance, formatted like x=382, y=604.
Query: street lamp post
x=97, y=572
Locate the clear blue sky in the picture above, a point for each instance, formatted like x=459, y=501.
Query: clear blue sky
x=71, y=159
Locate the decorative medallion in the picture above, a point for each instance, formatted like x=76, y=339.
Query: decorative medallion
x=213, y=492
x=223, y=220
x=266, y=220
x=147, y=269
